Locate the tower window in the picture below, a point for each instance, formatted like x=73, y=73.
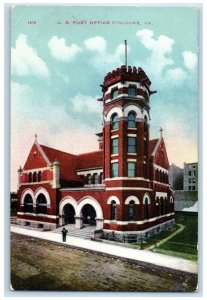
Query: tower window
x=131, y=169
x=114, y=169
x=114, y=146
x=114, y=122
x=131, y=120
x=131, y=211
x=132, y=145
x=132, y=91
x=113, y=210
x=114, y=93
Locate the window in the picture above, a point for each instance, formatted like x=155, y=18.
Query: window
x=131, y=211
x=131, y=169
x=146, y=209
x=101, y=178
x=28, y=204
x=132, y=145
x=114, y=146
x=41, y=207
x=34, y=177
x=113, y=210
x=114, y=122
x=189, y=173
x=145, y=148
x=89, y=179
x=193, y=188
x=95, y=177
x=114, y=93
x=39, y=177
x=131, y=120
x=30, y=177
x=114, y=169
x=132, y=91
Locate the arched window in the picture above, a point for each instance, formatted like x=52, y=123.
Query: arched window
x=30, y=177
x=131, y=211
x=34, y=177
x=114, y=122
x=39, y=176
x=28, y=203
x=146, y=209
x=89, y=179
x=113, y=210
x=41, y=207
x=95, y=178
x=131, y=120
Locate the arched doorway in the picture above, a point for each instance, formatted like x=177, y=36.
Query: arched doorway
x=89, y=215
x=28, y=203
x=41, y=207
x=69, y=214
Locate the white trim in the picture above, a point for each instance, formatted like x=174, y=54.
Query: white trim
x=162, y=183
x=42, y=152
x=85, y=188
x=114, y=136
x=131, y=135
x=93, y=202
x=129, y=153
x=156, y=147
x=160, y=168
x=25, y=192
x=128, y=189
x=126, y=178
x=38, y=215
x=146, y=195
x=113, y=110
x=132, y=159
x=140, y=222
x=113, y=198
x=132, y=198
x=98, y=171
x=43, y=191
x=114, y=160
x=133, y=108
x=37, y=182
x=67, y=200
x=114, y=155
x=36, y=170
x=160, y=194
x=171, y=199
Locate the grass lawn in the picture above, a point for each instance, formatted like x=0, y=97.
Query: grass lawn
x=185, y=242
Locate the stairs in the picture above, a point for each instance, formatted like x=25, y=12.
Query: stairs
x=83, y=233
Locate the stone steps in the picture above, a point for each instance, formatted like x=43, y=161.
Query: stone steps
x=84, y=233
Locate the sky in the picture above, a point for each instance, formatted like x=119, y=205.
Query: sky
x=60, y=55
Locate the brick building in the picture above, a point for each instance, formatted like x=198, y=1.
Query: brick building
x=123, y=187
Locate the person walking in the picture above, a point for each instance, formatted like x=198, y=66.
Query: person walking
x=64, y=233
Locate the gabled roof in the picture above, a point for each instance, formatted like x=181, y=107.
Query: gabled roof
x=90, y=160
x=152, y=145
x=67, y=162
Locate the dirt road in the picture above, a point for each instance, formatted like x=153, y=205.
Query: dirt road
x=42, y=265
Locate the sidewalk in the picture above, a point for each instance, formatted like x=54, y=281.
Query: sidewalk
x=146, y=256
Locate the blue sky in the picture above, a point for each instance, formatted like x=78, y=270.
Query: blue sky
x=58, y=63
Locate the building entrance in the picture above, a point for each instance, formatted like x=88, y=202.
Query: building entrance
x=89, y=215
x=69, y=214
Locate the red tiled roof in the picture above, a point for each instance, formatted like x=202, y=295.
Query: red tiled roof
x=90, y=160
x=67, y=162
x=152, y=145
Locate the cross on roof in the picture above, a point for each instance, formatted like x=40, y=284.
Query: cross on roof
x=161, y=130
x=35, y=137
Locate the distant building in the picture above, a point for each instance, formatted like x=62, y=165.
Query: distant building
x=176, y=177
x=190, y=180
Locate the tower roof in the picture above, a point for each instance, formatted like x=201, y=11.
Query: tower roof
x=126, y=73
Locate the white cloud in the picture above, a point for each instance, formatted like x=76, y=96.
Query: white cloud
x=25, y=60
x=158, y=50
x=97, y=43
x=86, y=103
x=103, y=60
x=61, y=51
x=175, y=77
x=190, y=59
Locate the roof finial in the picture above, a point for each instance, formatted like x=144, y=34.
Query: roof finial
x=35, y=137
x=161, y=130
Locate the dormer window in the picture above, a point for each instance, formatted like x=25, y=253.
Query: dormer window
x=132, y=91
x=114, y=93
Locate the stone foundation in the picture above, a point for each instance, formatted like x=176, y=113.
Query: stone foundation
x=35, y=225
